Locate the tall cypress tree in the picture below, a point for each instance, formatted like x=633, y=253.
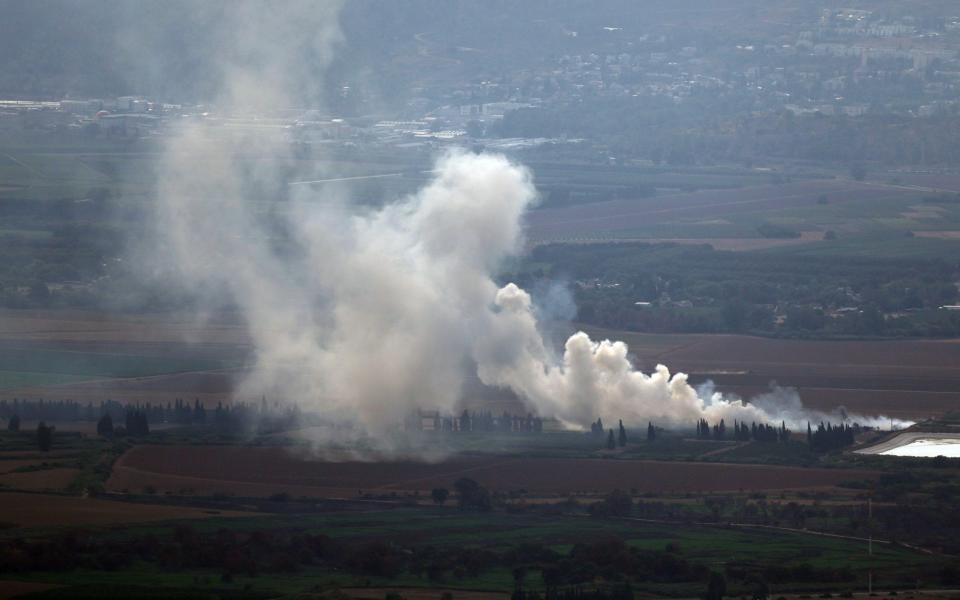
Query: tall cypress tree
x=611, y=442
x=623, y=435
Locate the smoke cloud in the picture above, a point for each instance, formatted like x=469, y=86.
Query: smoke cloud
x=365, y=315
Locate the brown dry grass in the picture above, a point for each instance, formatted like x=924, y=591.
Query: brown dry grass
x=268, y=470
x=42, y=510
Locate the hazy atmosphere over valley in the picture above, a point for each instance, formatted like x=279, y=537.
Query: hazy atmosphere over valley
x=558, y=299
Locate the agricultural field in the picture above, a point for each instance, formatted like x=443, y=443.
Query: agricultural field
x=532, y=539
x=48, y=489
x=735, y=219
x=267, y=471
x=699, y=505
x=48, y=510
x=93, y=357
x=90, y=357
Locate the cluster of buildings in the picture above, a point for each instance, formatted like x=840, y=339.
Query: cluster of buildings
x=852, y=62
x=135, y=117
x=126, y=116
x=841, y=62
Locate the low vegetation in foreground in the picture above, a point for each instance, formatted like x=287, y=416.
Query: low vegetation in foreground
x=612, y=542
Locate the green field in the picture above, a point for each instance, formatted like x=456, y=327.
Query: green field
x=18, y=379
x=21, y=367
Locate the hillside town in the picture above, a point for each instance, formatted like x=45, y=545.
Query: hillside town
x=847, y=63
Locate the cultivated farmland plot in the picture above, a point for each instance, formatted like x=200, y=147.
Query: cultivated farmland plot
x=266, y=471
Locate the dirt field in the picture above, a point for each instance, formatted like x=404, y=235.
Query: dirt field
x=45, y=480
x=40, y=510
x=908, y=379
x=269, y=470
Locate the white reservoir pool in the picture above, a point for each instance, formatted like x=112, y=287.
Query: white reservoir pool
x=927, y=447
x=919, y=444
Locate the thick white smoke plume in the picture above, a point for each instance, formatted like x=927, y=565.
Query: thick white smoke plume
x=386, y=310
x=367, y=315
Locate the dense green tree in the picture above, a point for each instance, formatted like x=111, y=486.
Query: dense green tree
x=471, y=494
x=439, y=495
x=616, y=504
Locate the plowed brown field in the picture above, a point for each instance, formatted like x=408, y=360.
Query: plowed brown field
x=259, y=471
x=41, y=510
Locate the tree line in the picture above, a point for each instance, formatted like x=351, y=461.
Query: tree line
x=118, y=420
x=744, y=292
x=831, y=437
x=621, y=437
x=763, y=432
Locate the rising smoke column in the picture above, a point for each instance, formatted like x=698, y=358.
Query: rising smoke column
x=365, y=315
x=386, y=309
x=593, y=378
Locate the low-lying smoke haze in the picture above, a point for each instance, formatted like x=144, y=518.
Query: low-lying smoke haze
x=365, y=315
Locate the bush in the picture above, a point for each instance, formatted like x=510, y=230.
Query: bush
x=439, y=495
x=471, y=494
